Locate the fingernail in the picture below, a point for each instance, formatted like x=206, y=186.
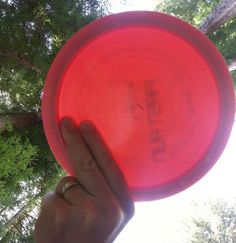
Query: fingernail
x=68, y=123
x=86, y=125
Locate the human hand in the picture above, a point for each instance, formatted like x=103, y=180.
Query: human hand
x=98, y=205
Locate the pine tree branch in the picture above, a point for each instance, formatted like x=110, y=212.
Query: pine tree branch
x=3, y=209
x=9, y=54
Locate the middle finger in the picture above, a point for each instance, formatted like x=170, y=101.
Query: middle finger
x=84, y=166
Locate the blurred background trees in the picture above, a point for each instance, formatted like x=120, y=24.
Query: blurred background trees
x=218, y=225
x=32, y=32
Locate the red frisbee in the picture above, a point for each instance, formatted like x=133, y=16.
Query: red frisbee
x=158, y=91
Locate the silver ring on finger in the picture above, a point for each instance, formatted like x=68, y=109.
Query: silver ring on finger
x=67, y=186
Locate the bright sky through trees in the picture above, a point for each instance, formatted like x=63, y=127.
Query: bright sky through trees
x=165, y=220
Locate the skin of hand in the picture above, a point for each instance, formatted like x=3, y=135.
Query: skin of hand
x=96, y=209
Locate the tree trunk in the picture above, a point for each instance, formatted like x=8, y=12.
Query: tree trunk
x=19, y=120
x=223, y=12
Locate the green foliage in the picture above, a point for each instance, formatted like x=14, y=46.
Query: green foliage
x=234, y=77
x=45, y=168
x=225, y=39
x=26, y=163
x=192, y=11
x=28, y=171
x=15, y=157
x=23, y=90
x=14, y=237
x=7, y=125
x=32, y=32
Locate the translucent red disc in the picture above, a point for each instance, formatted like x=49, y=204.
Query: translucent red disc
x=158, y=91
